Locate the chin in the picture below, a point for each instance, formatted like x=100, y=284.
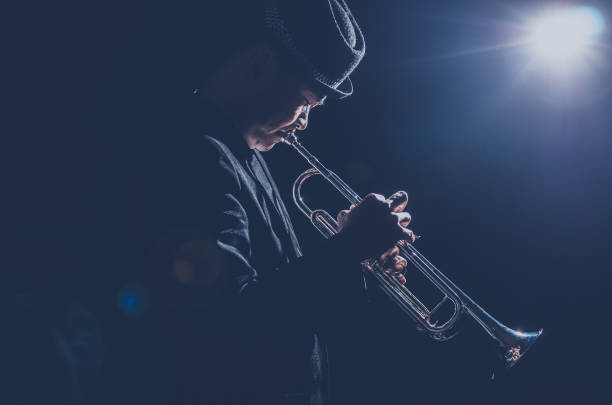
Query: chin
x=265, y=145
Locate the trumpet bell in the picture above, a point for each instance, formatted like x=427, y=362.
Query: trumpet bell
x=515, y=344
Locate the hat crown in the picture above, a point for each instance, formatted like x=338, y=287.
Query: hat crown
x=322, y=36
x=344, y=24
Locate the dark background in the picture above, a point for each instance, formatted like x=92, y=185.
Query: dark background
x=508, y=170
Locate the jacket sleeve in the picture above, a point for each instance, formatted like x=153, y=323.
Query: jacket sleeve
x=208, y=251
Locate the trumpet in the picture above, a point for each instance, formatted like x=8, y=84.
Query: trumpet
x=512, y=344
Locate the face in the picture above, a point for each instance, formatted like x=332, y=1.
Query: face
x=282, y=105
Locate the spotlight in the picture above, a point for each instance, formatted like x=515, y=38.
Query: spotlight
x=565, y=38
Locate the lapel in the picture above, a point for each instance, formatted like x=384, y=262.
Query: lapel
x=277, y=202
x=250, y=186
x=206, y=116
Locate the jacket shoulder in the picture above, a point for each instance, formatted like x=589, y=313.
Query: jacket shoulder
x=217, y=160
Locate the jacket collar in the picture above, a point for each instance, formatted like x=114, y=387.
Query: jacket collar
x=211, y=120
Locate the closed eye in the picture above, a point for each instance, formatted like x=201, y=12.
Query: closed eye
x=319, y=103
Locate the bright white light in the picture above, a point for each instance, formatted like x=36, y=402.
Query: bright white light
x=565, y=37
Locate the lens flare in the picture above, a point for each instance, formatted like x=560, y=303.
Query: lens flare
x=564, y=38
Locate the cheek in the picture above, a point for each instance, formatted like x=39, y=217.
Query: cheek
x=285, y=106
x=284, y=117
x=292, y=115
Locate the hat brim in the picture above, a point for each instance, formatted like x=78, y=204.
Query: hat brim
x=343, y=90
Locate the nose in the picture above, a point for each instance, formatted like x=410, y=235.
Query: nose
x=302, y=121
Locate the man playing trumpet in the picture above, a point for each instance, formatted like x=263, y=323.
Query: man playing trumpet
x=245, y=305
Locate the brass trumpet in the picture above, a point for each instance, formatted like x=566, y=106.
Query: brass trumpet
x=512, y=344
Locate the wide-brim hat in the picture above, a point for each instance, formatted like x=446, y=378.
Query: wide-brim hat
x=321, y=37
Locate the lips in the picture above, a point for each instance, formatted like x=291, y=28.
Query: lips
x=283, y=134
x=287, y=131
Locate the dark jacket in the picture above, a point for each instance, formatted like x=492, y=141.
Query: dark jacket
x=242, y=307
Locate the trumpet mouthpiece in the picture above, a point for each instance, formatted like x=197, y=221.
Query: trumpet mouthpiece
x=289, y=138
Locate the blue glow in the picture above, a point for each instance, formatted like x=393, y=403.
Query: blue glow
x=133, y=299
x=128, y=302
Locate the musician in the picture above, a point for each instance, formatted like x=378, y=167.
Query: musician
x=244, y=308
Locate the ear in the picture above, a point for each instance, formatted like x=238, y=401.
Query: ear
x=263, y=62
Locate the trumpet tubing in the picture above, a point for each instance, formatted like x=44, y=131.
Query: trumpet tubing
x=513, y=344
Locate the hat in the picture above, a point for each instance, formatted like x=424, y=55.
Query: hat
x=321, y=36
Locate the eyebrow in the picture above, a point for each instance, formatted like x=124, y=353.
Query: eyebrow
x=319, y=103
x=317, y=96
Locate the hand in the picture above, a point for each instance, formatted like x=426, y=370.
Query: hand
x=394, y=264
x=376, y=223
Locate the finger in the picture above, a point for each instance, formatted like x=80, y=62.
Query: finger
x=341, y=218
x=403, y=218
x=398, y=201
x=396, y=275
x=372, y=197
x=399, y=263
x=389, y=254
x=406, y=234
x=374, y=200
